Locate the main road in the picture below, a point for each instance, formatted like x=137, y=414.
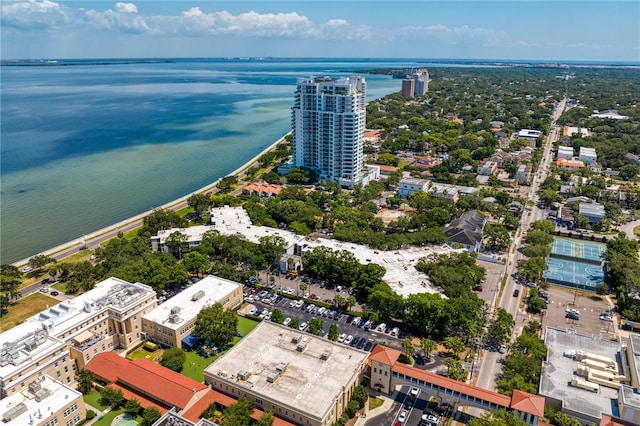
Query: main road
x=490, y=367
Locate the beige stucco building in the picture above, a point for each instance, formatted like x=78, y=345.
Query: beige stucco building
x=65, y=337
x=44, y=402
x=305, y=379
x=175, y=319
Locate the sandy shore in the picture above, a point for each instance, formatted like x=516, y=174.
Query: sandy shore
x=94, y=239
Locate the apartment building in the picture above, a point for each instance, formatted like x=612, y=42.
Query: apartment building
x=328, y=120
x=174, y=320
x=61, y=339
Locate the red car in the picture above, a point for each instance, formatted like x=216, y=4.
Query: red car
x=312, y=297
x=478, y=288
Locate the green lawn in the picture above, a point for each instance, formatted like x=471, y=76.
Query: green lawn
x=194, y=366
x=92, y=399
x=107, y=419
x=143, y=353
x=245, y=325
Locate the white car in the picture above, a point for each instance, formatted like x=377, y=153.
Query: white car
x=348, y=339
x=342, y=337
x=606, y=317
x=303, y=326
x=403, y=416
x=286, y=321
x=414, y=392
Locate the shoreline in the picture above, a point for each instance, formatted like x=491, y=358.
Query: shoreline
x=135, y=222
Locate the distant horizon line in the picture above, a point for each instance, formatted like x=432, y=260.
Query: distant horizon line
x=336, y=58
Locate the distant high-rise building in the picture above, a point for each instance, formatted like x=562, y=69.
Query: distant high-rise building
x=408, y=87
x=328, y=119
x=420, y=79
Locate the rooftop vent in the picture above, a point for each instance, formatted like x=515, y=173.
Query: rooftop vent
x=325, y=355
x=281, y=367
x=34, y=386
x=197, y=296
x=301, y=346
x=273, y=376
x=14, y=412
x=296, y=338
x=42, y=394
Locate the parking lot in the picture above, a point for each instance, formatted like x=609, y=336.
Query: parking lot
x=588, y=306
x=374, y=335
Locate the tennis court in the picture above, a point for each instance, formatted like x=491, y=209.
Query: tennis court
x=586, y=250
x=573, y=273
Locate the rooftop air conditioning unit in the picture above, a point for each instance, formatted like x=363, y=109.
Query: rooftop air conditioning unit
x=325, y=355
x=243, y=375
x=197, y=296
x=301, y=346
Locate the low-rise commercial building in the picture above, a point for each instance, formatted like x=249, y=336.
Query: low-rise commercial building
x=590, y=378
x=303, y=378
x=44, y=402
x=565, y=152
x=569, y=164
x=593, y=211
x=63, y=338
x=529, y=134
x=173, y=321
x=588, y=155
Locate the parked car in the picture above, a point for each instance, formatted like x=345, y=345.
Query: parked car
x=604, y=316
x=478, y=288
x=414, y=392
x=303, y=326
x=286, y=321
x=348, y=340
x=342, y=337
x=516, y=293
x=572, y=315
x=368, y=346
x=403, y=416
x=54, y=293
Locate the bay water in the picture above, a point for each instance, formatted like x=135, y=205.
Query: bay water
x=85, y=144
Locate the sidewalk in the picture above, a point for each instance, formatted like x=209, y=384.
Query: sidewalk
x=384, y=408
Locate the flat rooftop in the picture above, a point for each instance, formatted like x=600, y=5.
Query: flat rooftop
x=188, y=303
x=56, y=395
x=558, y=370
x=24, y=345
x=309, y=383
x=401, y=274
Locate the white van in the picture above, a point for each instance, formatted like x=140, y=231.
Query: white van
x=381, y=328
x=395, y=331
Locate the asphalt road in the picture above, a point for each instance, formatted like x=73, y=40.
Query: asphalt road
x=490, y=367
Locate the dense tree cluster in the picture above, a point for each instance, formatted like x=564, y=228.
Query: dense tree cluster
x=215, y=326
x=523, y=365
x=623, y=273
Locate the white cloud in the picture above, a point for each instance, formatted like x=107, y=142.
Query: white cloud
x=455, y=35
x=34, y=14
x=125, y=17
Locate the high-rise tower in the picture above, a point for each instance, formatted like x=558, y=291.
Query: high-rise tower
x=328, y=118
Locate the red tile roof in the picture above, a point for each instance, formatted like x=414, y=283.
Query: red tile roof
x=144, y=402
x=384, y=355
x=454, y=385
x=165, y=385
x=195, y=411
x=107, y=365
x=528, y=403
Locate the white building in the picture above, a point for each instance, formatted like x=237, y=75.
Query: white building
x=329, y=118
x=529, y=134
x=588, y=155
x=192, y=234
x=565, y=152
x=408, y=186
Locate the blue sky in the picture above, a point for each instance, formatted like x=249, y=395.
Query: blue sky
x=553, y=30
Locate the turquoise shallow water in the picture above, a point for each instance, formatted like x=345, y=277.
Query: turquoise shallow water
x=86, y=146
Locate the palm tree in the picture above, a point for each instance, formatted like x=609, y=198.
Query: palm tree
x=428, y=346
